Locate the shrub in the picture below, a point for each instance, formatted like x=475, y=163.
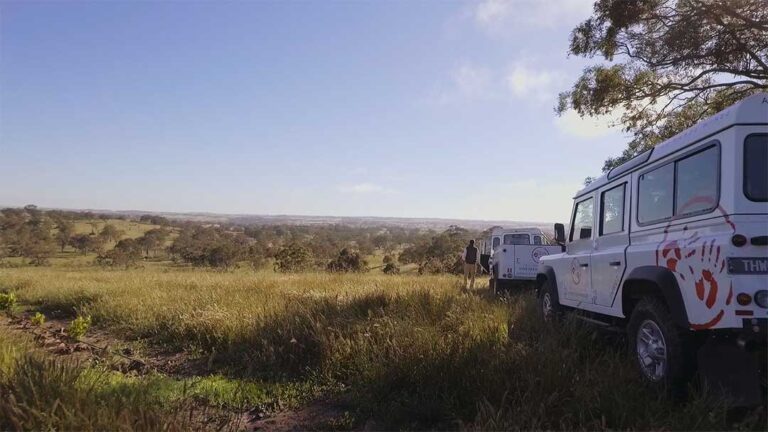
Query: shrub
x=210, y=246
x=293, y=258
x=38, y=319
x=125, y=254
x=391, y=268
x=7, y=301
x=348, y=262
x=79, y=326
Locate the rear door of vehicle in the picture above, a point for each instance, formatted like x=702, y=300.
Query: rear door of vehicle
x=508, y=259
x=608, y=260
x=526, y=263
x=527, y=258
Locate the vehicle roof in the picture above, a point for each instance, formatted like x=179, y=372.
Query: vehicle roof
x=533, y=230
x=750, y=110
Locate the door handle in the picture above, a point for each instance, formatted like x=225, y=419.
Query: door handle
x=614, y=263
x=584, y=265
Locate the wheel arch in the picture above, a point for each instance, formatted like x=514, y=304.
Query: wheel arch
x=655, y=281
x=545, y=273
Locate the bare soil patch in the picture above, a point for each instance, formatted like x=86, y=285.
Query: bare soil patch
x=100, y=346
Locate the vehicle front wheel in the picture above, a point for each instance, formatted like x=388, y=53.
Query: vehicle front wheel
x=549, y=305
x=662, y=350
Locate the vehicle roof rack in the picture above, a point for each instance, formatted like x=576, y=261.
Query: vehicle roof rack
x=630, y=164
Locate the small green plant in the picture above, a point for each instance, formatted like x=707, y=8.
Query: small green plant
x=79, y=326
x=7, y=301
x=38, y=319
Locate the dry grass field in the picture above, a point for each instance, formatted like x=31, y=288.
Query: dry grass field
x=385, y=352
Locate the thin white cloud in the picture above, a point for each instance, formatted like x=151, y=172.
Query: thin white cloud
x=526, y=82
x=473, y=81
x=570, y=123
x=521, y=80
x=365, y=188
x=466, y=82
x=509, y=16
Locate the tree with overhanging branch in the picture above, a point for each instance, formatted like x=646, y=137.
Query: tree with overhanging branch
x=669, y=64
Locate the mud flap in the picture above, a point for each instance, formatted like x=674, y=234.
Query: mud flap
x=730, y=373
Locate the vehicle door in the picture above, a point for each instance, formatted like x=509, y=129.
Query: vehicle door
x=525, y=267
x=506, y=255
x=608, y=259
x=577, y=281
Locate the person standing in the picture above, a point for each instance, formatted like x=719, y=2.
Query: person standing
x=469, y=257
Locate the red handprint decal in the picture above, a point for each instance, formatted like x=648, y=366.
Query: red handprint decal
x=699, y=265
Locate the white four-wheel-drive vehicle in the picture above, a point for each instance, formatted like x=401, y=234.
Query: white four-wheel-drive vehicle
x=673, y=246
x=511, y=255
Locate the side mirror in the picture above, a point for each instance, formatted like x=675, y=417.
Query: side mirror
x=560, y=235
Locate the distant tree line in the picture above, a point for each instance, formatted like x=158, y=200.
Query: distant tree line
x=39, y=235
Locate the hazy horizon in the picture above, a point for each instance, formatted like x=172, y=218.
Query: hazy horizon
x=180, y=214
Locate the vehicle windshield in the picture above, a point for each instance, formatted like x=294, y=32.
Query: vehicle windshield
x=755, y=167
x=517, y=239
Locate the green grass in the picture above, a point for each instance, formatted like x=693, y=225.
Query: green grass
x=38, y=392
x=411, y=351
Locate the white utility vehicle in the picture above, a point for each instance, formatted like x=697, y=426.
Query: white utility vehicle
x=512, y=255
x=673, y=246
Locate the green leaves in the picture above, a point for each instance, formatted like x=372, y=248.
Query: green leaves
x=672, y=63
x=7, y=301
x=79, y=326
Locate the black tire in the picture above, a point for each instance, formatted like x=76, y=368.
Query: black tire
x=549, y=303
x=672, y=371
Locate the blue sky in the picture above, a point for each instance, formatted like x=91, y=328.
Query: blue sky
x=371, y=108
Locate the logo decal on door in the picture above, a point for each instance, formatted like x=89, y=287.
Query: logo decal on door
x=575, y=271
x=537, y=253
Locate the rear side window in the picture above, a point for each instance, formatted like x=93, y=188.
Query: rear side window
x=696, y=182
x=655, y=199
x=496, y=242
x=612, y=210
x=516, y=239
x=756, y=167
x=583, y=220
x=537, y=240
x=689, y=185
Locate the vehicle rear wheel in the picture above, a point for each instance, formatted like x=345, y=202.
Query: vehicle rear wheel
x=662, y=350
x=549, y=305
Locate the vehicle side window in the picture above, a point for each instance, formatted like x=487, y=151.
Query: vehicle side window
x=537, y=240
x=496, y=241
x=612, y=210
x=517, y=239
x=655, y=194
x=755, y=167
x=583, y=220
x=696, y=182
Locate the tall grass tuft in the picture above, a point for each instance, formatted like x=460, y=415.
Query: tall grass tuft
x=38, y=392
